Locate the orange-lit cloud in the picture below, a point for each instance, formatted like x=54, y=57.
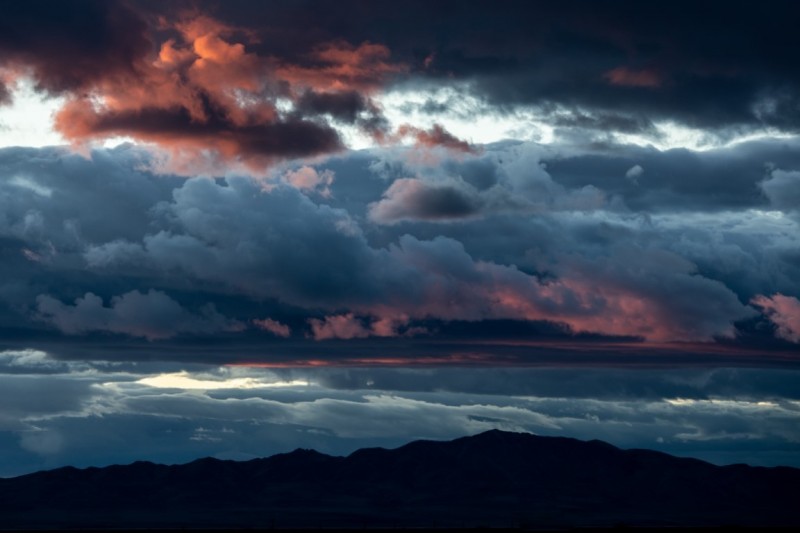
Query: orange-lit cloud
x=209, y=103
x=340, y=66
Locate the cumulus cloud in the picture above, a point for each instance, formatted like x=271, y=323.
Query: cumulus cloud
x=152, y=315
x=784, y=312
x=434, y=278
x=307, y=178
x=521, y=185
x=233, y=237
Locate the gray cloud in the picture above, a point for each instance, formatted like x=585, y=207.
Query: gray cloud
x=410, y=199
x=251, y=245
x=782, y=188
x=722, y=415
x=152, y=315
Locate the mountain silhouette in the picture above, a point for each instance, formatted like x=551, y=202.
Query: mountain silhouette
x=496, y=478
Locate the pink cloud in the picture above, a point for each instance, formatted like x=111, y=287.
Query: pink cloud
x=273, y=326
x=345, y=326
x=784, y=312
x=349, y=326
x=307, y=178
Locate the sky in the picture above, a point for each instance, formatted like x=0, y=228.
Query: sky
x=233, y=229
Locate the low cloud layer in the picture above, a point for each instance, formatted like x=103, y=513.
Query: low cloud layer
x=98, y=414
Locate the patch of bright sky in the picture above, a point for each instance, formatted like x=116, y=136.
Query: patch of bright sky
x=28, y=120
x=470, y=118
x=185, y=381
x=462, y=114
x=673, y=135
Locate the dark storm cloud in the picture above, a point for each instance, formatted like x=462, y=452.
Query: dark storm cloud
x=70, y=45
x=345, y=106
x=189, y=83
x=618, y=67
x=711, y=65
x=176, y=128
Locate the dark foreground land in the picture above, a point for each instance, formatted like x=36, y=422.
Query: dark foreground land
x=495, y=479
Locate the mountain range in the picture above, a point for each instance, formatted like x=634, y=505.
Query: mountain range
x=496, y=478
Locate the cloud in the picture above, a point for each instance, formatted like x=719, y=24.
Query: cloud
x=202, y=97
x=273, y=326
x=152, y=315
x=347, y=106
x=415, y=277
x=341, y=66
x=292, y=257
x=434, y=137
x=151, y=414
x=249, y=147
x=624, y=63
x=75, y=45
x=782, y=188
x=307, y=178
x=784, y=312
x=413, y=199
x=634, y=173
x=520, y=184
x=348, y=326
x=338, y=327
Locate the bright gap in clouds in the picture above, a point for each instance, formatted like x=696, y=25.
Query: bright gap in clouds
x=28, y=119
x=462, y=114
x=476, y=121
x=185, y=381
